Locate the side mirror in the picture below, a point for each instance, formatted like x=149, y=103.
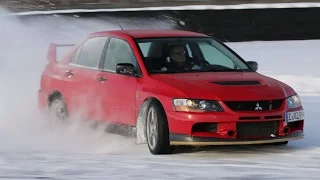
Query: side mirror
x=126, y=69
x=253, y=65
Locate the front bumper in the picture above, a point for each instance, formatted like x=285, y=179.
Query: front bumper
x=233, y=128
x=180, y=139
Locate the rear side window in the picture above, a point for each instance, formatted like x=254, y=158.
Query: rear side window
x=75, y=56
x=91, y=51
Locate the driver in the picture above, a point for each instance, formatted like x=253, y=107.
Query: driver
x=177, y=59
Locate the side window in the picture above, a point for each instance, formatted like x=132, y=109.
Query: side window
x=119, y=51
x=215, y=56
x=75, y=56
x=189, y=51
x=145, y=47
x=91, y=51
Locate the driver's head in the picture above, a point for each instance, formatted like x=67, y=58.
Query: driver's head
x=177, y=53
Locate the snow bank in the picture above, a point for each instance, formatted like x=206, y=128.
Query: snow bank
x=186, y=7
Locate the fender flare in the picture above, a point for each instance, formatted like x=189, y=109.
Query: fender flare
x=142, y=119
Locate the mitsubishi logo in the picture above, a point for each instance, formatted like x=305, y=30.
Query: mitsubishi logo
x=258, y=107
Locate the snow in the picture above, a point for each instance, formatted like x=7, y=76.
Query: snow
x=32, y=149
x=293, y=62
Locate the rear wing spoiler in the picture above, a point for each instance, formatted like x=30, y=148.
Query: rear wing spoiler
x=52, y=52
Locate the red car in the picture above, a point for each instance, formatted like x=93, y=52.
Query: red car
x=170, y=88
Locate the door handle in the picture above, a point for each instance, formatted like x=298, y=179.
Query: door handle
x=69, y=73
x=101, y=79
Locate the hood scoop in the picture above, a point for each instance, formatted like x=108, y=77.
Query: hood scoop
x=237, y=83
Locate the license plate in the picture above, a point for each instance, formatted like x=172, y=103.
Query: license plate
x=294, y=116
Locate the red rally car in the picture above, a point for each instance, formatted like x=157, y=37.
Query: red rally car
x=170, y=88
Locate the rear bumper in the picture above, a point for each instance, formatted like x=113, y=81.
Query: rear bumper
x=42, y=99
x=180, y=139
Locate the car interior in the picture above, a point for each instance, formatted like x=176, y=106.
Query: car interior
x=157, y=56
x=159, y=52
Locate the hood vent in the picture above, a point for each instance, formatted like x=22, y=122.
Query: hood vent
x=237, y=83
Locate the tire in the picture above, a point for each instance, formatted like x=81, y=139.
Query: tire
x=58, y=109
x=281, y=143
x=157, y=130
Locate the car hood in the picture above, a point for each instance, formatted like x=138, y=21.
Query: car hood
x=227, y=86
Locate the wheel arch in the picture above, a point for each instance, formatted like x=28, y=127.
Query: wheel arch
x=142, y=117
x=54, y=94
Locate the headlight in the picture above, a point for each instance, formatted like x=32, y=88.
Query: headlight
x=293, y=102
x=195, y=105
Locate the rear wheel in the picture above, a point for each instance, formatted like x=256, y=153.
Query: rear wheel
x=58, y=108
x=157, y=130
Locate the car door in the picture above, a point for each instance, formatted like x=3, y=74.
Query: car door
x=121, y=94
x=71, y=81
x=84, y=72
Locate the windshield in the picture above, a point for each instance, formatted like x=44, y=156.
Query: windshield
x=178, y=55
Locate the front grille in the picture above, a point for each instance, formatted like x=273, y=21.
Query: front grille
x=257, y=129
x=254, y=105
x=273, y=117
x=250, y=118
x=260, y=117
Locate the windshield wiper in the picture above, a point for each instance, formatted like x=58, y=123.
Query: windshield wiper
x=227, y=70
x=200, y=70
x=167, y=71
x=230, y=70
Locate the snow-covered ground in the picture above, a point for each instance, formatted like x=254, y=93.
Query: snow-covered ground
x=30, y=149
x=294, y=62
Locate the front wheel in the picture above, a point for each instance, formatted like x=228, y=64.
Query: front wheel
x=157, y=130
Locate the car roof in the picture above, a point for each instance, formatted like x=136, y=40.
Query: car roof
x=151, y=33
